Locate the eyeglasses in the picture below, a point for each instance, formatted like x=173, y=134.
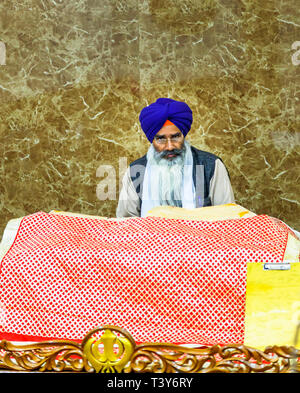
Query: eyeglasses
x=163, y=140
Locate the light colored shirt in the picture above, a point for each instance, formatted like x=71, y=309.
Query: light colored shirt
x=220, y=192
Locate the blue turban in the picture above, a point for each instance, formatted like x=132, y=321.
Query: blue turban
x=154, y=116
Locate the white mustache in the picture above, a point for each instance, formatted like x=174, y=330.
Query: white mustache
x=179, y=155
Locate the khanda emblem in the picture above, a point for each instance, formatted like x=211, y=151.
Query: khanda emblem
x=116, y=349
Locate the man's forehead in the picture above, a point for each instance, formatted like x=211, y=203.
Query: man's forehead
x=168, y=131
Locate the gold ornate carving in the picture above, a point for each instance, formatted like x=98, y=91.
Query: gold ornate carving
x=117, y=349
x=112, y=349
x=44, y=356
x=167, y=358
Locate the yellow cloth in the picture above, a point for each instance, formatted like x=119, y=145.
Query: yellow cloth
x=209, y=213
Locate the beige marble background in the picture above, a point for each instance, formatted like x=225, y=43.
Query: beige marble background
x=78, y=73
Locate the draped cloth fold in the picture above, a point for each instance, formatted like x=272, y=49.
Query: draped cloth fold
x=180, y=281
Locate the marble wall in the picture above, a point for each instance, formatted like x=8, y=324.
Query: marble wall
x=77, y=74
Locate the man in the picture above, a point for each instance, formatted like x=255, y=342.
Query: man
x=172, y=172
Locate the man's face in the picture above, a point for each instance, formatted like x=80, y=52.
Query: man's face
x=169, y=142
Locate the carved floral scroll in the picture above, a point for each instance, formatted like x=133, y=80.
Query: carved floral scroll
x=112, y=349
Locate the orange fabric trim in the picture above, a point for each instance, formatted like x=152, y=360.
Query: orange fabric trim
x=168, y=123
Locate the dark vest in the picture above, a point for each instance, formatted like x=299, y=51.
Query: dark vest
x=203, y=171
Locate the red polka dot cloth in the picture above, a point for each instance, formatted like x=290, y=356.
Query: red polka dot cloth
x=163, y=280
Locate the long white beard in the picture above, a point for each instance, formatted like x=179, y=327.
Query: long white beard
x=169, y=174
